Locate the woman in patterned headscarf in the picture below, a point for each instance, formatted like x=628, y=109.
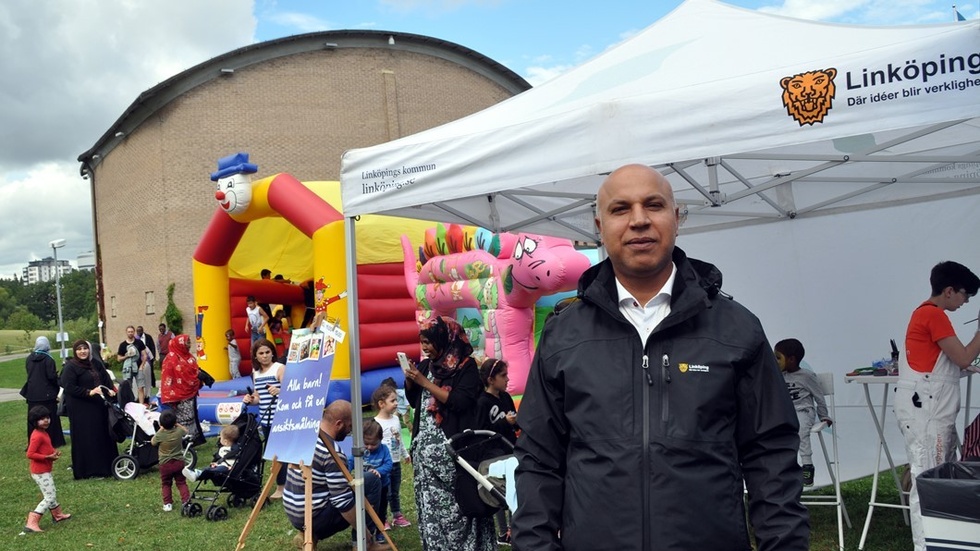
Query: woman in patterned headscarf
x=179, y=384
x=444, y=390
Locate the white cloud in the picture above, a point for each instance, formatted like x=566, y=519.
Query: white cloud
x=70, y=70
x=302, y=22
x=539, y=74
x=51, y=202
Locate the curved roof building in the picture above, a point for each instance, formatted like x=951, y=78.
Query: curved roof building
x=295, y=105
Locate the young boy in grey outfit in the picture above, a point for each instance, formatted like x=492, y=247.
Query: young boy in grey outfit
x=807, y=395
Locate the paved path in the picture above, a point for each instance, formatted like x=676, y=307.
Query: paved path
x=10, y=394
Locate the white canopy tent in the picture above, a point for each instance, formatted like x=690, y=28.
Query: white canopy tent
x=699, y=95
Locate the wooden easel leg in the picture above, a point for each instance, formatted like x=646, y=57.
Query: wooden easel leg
x=308, y=545
x=367, y=506
x=266, y=490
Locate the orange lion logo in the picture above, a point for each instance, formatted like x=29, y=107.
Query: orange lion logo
x=809, y=96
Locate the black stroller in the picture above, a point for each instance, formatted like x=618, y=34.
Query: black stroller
x=477, y=493
x=140, y=454
x=242, y=483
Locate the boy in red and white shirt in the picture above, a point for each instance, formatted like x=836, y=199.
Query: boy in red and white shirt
x=927, y=397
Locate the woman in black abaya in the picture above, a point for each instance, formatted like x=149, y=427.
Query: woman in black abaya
x=85, y=382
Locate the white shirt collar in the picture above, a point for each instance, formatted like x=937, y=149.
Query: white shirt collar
x=665, y=293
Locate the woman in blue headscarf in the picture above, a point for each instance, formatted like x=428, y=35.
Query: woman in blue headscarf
x=41, y=388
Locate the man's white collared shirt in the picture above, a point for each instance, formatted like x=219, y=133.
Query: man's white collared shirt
x=647, y=317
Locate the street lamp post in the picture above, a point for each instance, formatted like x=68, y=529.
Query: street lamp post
x=55, y=245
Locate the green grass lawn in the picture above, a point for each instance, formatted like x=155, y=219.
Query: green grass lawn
x=14, y=340
x=111, y=514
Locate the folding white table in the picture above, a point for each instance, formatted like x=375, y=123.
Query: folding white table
x=878, y=417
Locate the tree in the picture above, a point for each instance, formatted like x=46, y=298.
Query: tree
x=27, y=321
x=15, y=287
x=78, y=294
x=7, y=304
x=39, y=299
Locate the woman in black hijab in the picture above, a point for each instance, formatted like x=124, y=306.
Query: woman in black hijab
x=86, y=385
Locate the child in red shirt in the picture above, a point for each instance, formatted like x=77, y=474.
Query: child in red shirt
x=281, y=336
x=42, y=456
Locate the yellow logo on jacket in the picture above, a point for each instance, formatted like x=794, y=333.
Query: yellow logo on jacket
x=808, y=97
x=693, y=368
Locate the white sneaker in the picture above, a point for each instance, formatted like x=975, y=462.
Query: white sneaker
x=167, y=507
x=191, y=474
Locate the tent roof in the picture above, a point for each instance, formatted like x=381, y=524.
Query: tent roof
x=698, y=95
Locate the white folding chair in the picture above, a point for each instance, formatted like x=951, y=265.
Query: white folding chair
x=831, y=458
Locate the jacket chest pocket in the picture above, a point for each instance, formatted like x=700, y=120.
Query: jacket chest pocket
x=698, y=402
x=599, y=389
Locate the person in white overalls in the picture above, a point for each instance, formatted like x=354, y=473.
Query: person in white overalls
x=927, y=395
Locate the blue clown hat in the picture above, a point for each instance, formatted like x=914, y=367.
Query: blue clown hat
x=233, y=164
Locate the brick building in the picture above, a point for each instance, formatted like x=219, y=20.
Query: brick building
x=295, y=105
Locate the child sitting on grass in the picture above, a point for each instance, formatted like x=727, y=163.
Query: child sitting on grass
x=42, y=456
x=224, y=458
x=169, y=439
x=807, y=395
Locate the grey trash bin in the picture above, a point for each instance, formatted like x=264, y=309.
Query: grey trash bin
x=949, y=496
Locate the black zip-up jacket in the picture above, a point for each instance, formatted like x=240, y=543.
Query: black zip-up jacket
x=42, y=378
x=633, y=446
x=459, y=413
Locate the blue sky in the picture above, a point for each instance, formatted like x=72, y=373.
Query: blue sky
x=539, y=39
x=72, y=67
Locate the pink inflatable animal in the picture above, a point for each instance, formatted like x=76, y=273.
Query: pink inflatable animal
x=504, y=288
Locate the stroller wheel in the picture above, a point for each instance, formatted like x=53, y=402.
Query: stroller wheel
x=125, y=467
x=190, y=458
x=194, y=510
x=235, y=501
x=216, y=513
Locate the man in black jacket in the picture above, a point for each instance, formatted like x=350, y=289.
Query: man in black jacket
x=653, y=401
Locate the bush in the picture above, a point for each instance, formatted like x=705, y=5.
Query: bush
x=83, y=328
x=172, y=316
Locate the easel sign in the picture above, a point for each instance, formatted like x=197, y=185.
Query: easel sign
x=296, y=423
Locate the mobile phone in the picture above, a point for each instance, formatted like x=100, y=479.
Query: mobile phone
x=403, y=361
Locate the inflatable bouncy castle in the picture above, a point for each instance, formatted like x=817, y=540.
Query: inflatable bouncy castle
x=500, y=286
x=500, y=277
x=294, y=228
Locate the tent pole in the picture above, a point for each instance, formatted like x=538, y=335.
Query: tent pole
x=357, y=415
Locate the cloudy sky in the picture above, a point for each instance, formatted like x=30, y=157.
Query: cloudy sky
x=71, y=67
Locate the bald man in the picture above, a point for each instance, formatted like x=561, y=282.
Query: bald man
x=333, y=498
x=652, y=399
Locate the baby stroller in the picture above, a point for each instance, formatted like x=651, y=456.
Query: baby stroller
x=135, y=422
x=477, y=492
x=242, y=483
